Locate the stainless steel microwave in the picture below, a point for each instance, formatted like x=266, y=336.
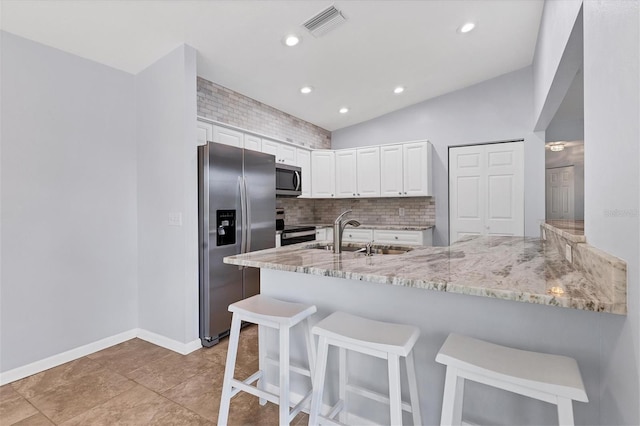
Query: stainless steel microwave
x=288, y=180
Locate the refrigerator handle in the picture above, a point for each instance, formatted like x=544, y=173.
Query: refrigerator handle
x=247, y=203
x=243, y=216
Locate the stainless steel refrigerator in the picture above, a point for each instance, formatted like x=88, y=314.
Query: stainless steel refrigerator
x=236, y=210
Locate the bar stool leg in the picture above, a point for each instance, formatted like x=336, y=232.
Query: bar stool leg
x=232, y=351
x=284, y=376
x=452, y=401
x=395, y=399
x=565, y=412
x=318, y=381
x=413, y=390
x=262, y=365
x=342, y=383
x=311, y=348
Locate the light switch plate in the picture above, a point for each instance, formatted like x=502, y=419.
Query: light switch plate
x=175, y=219
x=567, y=252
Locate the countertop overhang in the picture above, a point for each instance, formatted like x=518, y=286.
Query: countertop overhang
x=521, y=269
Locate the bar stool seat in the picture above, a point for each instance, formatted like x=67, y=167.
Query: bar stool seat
x=552, y=378
x=282, y=316
x=379, y=339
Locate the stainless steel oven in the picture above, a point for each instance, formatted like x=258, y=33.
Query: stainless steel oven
x=298, y=234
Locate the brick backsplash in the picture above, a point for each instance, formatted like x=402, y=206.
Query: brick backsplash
x=418, y=211
x=226, y=106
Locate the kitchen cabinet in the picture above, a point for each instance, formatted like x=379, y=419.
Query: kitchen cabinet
x=403, y=237
x=323, y=174
x=252, y=142
x=357, y=235
x=405, y=170
x=324, y=234
x=358, y=172
x=303, y=160
x=205, y=132
x=228, y=136
x=284, y=153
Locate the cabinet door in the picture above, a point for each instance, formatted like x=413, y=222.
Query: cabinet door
x=252, y=142
x=391, y=171
x=228, y=136
x=368, y=170
x=286, y=154
x=205, y=132
x=346, y=176
x=323, y=174
x=270, y=147
x=389, y=236
x=356, y=235
x=303, y=160
x=416, y=164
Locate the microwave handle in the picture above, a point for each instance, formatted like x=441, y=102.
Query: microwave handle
x=296, y=180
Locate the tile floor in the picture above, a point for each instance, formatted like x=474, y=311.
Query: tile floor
x=138, y=383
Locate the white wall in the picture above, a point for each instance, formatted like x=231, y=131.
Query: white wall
x=611, y=139
x=68, y=176
x=167, y=184
x=495, y=110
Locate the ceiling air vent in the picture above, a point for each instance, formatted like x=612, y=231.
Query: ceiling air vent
x=324, y=21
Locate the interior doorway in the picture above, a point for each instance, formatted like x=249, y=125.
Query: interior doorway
x=560, y=197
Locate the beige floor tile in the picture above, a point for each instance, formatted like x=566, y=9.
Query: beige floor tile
x=13, y=407
x=78, y=395
x=35, y=420
x=54, y=377
x=169, y=371
x=128, y=356
x=138, y=406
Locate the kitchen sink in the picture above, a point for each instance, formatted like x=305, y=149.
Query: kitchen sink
x=362, y=249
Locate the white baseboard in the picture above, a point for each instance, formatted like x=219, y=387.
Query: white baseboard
x=61, y=358
x=73, y=354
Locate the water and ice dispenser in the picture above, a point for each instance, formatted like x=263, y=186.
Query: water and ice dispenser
x=226, y=226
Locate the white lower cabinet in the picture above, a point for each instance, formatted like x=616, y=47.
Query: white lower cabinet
x=357, y=235
x=389, y=236
x=324, y=234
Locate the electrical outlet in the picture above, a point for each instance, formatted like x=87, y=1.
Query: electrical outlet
x=567, y=252
x=401, y=211
x=175, y=219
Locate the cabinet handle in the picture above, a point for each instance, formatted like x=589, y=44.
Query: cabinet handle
x=354, y=195
x=405, y=193
x=399, y=193
x=358, y=194
x=396, y=237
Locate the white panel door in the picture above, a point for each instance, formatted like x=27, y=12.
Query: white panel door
x=205, y=132
x=303, y=160
x=228, y=136
x=486, y=190
x=560, y=193
x=270, y=147
x=416, y=165
x=368, y=170
x=323, y=174
x=391, y=170
x=346, y=175
x=287, y=154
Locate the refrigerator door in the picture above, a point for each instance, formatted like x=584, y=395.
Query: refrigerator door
x=220, y=212
x=260, y=184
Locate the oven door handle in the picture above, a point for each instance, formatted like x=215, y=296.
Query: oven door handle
x=287, y=235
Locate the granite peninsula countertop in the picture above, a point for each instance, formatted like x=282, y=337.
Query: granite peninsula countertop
x=394, y=227
x=521, y=269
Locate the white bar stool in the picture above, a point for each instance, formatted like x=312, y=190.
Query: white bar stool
x=552, y=378
x=380, y=339
x=280, y=315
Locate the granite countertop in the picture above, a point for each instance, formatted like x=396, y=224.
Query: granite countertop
x=521, y=269
x=378, y=226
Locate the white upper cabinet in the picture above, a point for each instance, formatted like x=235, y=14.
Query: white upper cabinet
x=252, y=142
x=303, y=157
x=323, y=174
x=368, y=172
x=205, y=132
x=391, y=171
x=417, y=169
x=284, y=153
x=228, y=136
x=346, y=175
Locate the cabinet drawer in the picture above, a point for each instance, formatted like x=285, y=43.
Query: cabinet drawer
x=357, y=235
x=399, y=237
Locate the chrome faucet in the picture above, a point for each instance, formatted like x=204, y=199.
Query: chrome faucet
x=338, y=229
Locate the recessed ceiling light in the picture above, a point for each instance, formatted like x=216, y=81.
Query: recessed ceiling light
x=291, y=40
x=466, y=27
x=306, y=89
x=343, y=110
x=398, y=90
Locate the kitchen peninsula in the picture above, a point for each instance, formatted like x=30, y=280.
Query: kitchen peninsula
x=436, y=288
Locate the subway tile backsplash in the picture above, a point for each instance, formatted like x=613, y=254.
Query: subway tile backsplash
x=418, y=211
